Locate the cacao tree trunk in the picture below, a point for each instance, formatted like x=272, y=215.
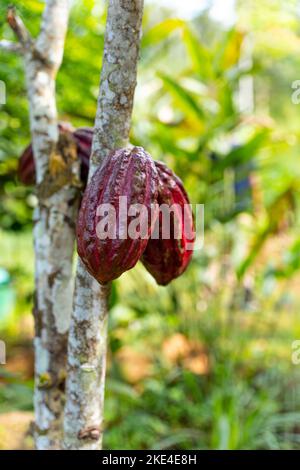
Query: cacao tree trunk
x=88, y=330
x=54, y=220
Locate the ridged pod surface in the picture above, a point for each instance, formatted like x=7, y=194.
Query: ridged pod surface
x=125, y=172
x=83, y=137
x=166, y=259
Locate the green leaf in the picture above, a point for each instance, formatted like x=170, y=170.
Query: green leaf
x=254, y=250
x=228, y=50
x=276, y=212
x=245, y=152
x=199, y=55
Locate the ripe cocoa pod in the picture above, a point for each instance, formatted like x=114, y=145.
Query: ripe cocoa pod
x=83, y=137
x=166, y=259
x=129, y=173
x=26, y=168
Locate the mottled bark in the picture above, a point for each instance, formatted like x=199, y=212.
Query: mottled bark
x=87, y=337
x=54, y=219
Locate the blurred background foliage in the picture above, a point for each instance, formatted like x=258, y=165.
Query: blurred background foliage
x=206, y=362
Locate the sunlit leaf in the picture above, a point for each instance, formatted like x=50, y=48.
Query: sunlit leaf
x=228, y=50
x=245, y=152
x=199, y=54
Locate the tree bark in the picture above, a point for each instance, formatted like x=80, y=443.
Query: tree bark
x=54, y=218
x=9, y=46
x=88, y=329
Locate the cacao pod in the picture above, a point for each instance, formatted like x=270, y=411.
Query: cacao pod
x=129, y=173
x=83, y=137
x=168, y=258
x=26, y=168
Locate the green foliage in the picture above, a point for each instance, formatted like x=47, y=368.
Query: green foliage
x=232, y=386
x=15, y=395
x=245, y=400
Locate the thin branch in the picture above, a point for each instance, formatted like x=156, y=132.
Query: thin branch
x=9, y=46
x=18, y=27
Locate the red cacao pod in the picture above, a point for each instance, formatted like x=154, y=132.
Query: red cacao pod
x=168, y=258
x=129, y=173
x=83, y=137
